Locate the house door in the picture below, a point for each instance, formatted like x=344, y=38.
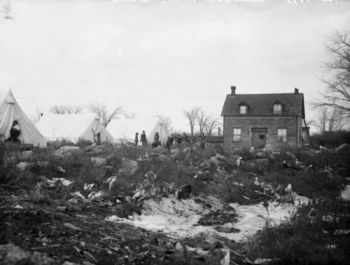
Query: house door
x=259, y=137
x=98, y=140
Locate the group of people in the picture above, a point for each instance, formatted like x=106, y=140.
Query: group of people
x=170, y=140
x=143, y=138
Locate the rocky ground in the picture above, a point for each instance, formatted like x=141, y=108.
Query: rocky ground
x=94, y=205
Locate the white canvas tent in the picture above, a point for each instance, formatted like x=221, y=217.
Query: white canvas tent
x=124, y=130
x=72, y=127
x=11, y=111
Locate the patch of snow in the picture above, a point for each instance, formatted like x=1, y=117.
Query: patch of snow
x=179, y=218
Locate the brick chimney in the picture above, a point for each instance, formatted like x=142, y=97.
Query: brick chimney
x=233, y=90
x=296, y=91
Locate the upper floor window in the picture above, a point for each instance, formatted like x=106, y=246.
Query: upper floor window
x=243, y=109
x=277, y=108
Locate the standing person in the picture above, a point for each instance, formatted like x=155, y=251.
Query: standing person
x=185, y=137
x=178, y=139
x=136, y=138
x=143, y=138
x=202, y=141
x=15, y=132
x=156, y=139
x=169, y=142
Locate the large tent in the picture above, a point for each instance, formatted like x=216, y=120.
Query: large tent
x=124, y=130
x=11, y=111
x=72, y=127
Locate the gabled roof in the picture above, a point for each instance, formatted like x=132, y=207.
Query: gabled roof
x=262, y=104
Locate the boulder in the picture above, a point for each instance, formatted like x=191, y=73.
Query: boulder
x=186, y=150
x=163, y=157
x=13, y=255
x=184, y=192
x=216, y=161
x=43, y=163
x=10, y=160
x=261, y=154
x=98, y=161
x=175, y=152
x=23, y=166
x=129, y=167
x=205, y=176
x=27, y=153
x=269, y=147
x=68, y=150
x=342, y=147
x=291, y=155
x=158, y=151
x=69, y=147
x=262, y=161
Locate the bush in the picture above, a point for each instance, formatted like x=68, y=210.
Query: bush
x=331, y=139
x=83, y=143
x=306, y=240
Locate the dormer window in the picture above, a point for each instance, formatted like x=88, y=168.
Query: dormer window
x=277, y=108
x=243, y=109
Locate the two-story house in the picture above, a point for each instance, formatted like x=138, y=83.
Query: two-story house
x=260, y=119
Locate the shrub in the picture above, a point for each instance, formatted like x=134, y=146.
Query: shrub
x=83, y=143
x=331, y=139
x=304, y=240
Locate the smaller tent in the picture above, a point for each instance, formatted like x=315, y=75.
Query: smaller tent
x=11, y=111
x=124, y=130
x=72, y=127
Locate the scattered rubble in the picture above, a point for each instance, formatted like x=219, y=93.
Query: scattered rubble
x=126, y=212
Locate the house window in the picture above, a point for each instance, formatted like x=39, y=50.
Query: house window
x=282, y=135
x=243, y=109
x=277, y=108
x=303, y=136
x=237, y=134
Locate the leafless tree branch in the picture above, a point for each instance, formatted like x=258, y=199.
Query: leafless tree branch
x=65, y=109
x=104, y=112
x=191, y=116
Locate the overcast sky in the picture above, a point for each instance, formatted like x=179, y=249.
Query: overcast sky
x=164, y=56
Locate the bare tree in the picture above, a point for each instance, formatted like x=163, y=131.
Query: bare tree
x=129, y=115
x=5, y=9
x=321, y=120
x=104, y=112
x=337, y=120
x=212, y=123
x=191, y=116
x=202, y=120
x=164, y=120
x=330, y=120
x=65, y=109
x=338, y=86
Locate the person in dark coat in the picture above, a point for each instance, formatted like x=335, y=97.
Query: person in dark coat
x=156, y=141
x=169, y=142
x=156, y=138
x=143, y=139
x=178, y=139
x=136, y=138
x=185, y=138
x=15, y=132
